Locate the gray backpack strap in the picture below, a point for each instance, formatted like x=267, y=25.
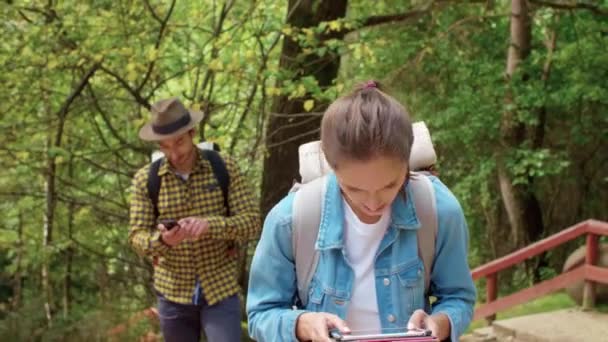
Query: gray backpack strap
x=306, y=218
x=426, y=210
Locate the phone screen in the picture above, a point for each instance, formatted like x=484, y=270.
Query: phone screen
x=415, y=335
x=169, y=223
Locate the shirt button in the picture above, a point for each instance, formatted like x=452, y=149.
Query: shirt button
x=387, y=282
x=339, y=302
x=391, y=318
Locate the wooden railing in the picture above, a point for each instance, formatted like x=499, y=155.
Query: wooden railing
x=588, y=271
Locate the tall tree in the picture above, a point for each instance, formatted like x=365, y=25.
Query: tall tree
x=54, y=144
x=287, y=126
x=522, y=206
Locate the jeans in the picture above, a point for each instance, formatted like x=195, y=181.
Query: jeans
x=183, y=322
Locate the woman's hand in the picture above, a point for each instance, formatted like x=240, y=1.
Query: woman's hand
x=315, y=326
x=438, y=324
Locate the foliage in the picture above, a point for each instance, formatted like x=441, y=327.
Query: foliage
x=446, y=62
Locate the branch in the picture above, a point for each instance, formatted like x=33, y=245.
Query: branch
x=111, y=128
x=24, y=16
x=295, y=115
x=254, y=90
x=161, y=31
x=97, y=210
x=90, y=194
x=100, y=254
x=111, y=170
x=63, y=111
x=288, y=126
x=142, y=101
x=154, y=15
x=165, y=80
x=83, y=82
x=572, y=6
x=405, y=16
x=419, y=56
x=106, y=144
x=210, y=74
x=242, y=117
x=49, y=14
x=379, y=20
x=391, y=18
x=293, y=138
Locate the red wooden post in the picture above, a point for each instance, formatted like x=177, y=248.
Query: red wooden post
x=590, y=259
x=491, y=292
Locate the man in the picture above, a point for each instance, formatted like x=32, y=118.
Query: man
x=195, y=271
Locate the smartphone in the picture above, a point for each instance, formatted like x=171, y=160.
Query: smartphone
x=413, y=335
x=169, y=223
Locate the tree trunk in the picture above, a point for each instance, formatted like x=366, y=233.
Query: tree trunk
x=521, y=205
x=53, y=144
x=538, y=137
x=285, y=132
x=18, y=277
x=69, y=253
x=47, y=234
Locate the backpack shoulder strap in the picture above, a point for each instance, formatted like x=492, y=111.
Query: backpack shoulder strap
x=153, y=184
x=220, y=172
x=306, y=218
x=426, y=210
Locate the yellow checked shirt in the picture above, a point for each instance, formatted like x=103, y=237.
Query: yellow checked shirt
x=206, y=259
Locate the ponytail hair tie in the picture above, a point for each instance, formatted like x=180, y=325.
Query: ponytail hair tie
x=370, y=84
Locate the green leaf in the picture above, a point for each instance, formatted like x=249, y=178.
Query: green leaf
x=308, y=105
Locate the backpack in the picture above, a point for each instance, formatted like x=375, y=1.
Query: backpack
x=307, y=207
x=219, y=171
x=208, y=151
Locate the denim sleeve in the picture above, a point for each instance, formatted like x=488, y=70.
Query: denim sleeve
x=451, y=281
x=272, y=280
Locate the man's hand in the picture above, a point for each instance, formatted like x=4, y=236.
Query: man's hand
x=195, y=227
x=187, y=228
x=172, y=237
x=315, y=326
x=438, y=324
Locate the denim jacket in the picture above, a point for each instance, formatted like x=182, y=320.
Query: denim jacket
x=399, y=271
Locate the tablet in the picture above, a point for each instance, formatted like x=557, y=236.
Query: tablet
x=412, y=335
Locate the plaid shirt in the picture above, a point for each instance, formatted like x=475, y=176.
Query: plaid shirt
x=194, y=263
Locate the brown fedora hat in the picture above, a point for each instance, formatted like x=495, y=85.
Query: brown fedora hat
x=169, y=118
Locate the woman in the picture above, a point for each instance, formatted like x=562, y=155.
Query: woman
x=369, y=275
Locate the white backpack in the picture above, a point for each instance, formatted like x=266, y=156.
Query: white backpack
x=307, y=206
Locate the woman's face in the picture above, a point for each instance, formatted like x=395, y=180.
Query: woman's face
x=371, y=186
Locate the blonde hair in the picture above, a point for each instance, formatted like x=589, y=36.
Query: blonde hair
x=365, y=124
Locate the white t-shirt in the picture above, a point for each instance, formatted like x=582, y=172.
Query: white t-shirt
x=361, y=242
x=183, y=176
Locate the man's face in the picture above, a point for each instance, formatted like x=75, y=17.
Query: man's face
x=179, y=150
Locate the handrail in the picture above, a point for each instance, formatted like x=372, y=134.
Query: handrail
x=586, y=271
x=589, y=226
